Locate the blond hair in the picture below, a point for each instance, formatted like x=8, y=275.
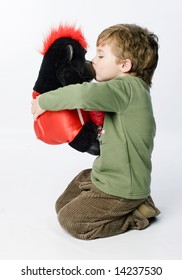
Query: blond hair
x=130, y=41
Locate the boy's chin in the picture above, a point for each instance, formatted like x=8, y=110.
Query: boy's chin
x=99, y=79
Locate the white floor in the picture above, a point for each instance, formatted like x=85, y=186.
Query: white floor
x=34, y=174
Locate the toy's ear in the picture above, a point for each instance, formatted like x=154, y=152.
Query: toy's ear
x=69, y=49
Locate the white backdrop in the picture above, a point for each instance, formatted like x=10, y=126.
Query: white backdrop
x=33, y=174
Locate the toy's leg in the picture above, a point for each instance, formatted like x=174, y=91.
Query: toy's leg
x=94, y=214
x=73, y=189
x=86, y=140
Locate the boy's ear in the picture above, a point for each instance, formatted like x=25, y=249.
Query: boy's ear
x=126, y=66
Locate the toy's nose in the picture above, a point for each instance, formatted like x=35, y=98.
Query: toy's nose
x=89, y=72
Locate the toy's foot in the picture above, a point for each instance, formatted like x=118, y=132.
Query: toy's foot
x=86, y=140
x=94, y=149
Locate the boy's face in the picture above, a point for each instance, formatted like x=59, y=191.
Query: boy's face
x=105, y=64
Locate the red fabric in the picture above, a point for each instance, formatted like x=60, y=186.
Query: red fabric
x=97, y=117
x=58, y=127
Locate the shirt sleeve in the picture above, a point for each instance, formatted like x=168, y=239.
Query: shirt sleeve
x=111, y=96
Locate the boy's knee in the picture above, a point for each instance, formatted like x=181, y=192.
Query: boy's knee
x=73, y=226
x=68, y=222
x=57, y=205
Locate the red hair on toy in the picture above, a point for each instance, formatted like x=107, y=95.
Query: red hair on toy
x=64, y=31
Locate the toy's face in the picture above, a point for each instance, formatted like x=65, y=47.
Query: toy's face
x=89, y=72
x=63, y=64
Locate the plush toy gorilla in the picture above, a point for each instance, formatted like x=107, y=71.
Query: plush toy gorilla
x=63, y=64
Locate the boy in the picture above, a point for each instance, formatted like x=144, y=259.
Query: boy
x=113, y=196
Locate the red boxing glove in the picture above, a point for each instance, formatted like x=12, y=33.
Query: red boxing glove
x=61, y=126
x=97, y=117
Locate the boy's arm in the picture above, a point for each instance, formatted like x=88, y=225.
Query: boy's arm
x=110, y=96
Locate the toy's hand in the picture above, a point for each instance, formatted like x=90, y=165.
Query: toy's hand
x=36, y=109
x=97, y=117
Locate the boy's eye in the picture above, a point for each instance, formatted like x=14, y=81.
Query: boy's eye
x=100, y=56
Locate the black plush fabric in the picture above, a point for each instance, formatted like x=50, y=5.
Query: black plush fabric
x=86, y=139
x=63, y=64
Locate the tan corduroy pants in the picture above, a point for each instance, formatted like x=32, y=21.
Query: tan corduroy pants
x=88, y=213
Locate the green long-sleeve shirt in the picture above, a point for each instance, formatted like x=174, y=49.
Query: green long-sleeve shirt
x=124, y=166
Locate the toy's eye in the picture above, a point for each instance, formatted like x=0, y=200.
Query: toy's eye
x=70, y=51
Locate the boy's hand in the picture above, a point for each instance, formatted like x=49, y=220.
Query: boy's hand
x=36, y=109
